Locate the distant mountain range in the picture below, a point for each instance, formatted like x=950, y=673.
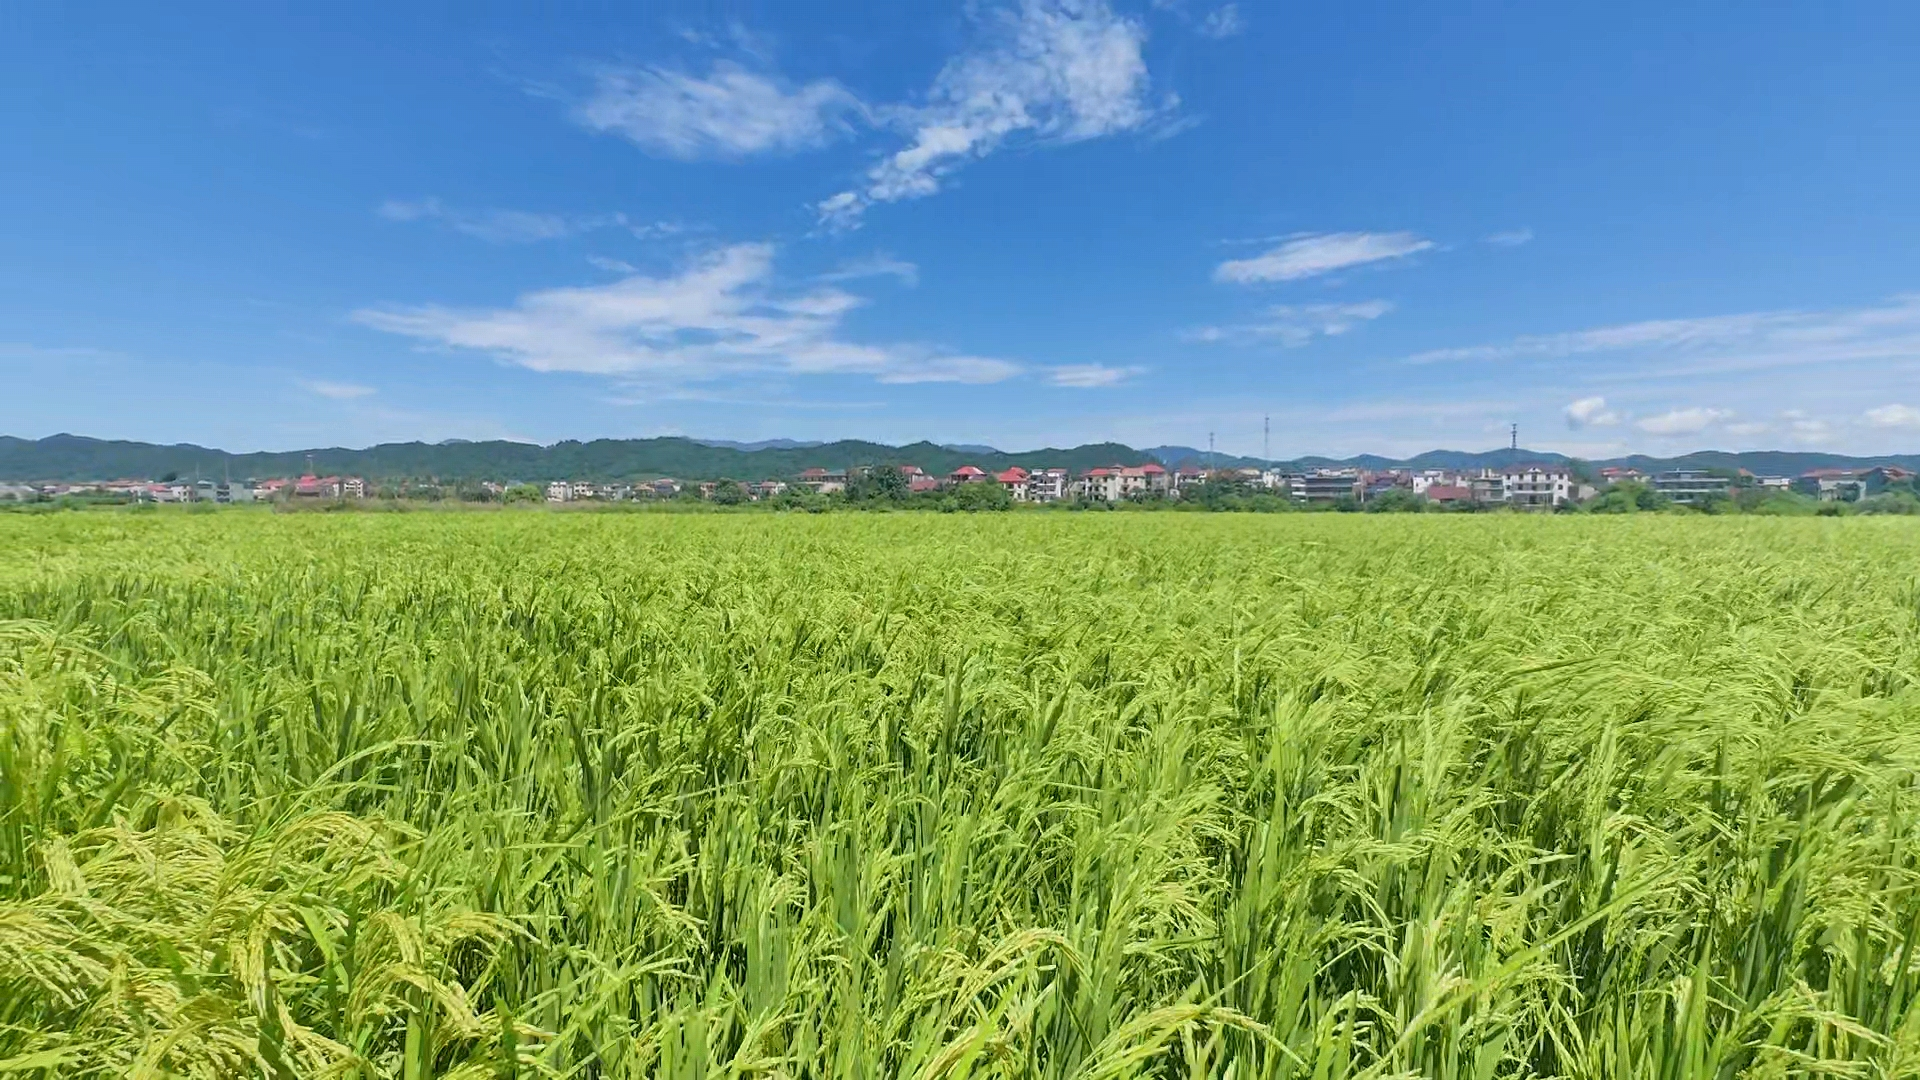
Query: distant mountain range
x=763, y=444
x=75, y=457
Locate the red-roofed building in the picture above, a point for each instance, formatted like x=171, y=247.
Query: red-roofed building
x=1099, y=485
x=316, y=487
x=1150, y=478
x=1015, y=481
x=1448, y=494
x=967, y=474
x=1834, y=485
x=823, y=480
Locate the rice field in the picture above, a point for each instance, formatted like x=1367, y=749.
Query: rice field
x=1061, y=796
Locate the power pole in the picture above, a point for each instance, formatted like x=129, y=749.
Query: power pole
x=1266, y=439
x=1514, y=443
x=1209, y=451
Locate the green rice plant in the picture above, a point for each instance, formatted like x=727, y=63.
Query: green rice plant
x=1051, y=796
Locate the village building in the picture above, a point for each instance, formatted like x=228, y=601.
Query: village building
x=823, y=481
x=1537, y=485
x=1330, y=485
x=1098, y=485
x=1048, y=485
x=1690, y=487
x=1148, y=479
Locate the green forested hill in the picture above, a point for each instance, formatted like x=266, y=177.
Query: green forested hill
x=75, y=457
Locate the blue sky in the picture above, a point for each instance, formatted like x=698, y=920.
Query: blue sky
x=1390, y=227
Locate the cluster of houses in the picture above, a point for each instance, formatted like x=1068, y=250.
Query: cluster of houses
x=1536, y=485
x=1532, y=486
x=1694, y=486
x=317, y=488
x=1540, y=485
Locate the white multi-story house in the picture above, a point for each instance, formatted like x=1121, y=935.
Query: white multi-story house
x=1017, y=482
x=1537, y=485
x=580, y=489
x=1048, y=485
x=1689, y=487
x=1098, y=485
x=559, y=491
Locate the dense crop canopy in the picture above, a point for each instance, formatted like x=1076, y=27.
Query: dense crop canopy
x=1071, y=796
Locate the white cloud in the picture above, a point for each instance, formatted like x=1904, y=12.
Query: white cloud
x=720, y=317
x=732, y=112
x=1509, y=238
x=403, y=210
x=1722, y=344
x=1590, y=412
x=1053, y=70
x=612, y=266
x=954, y=369
x=338, y=391
x=1222, y=22
x=1294, y=325
x=517, y=226
x=654, y=230
x=1689, y=421
x=1091, y=376
x=498, y=226
x=1809, y=430
x=1310, y=256
x=1893, y=416
x=878, y=264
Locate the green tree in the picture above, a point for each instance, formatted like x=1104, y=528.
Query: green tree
x=1786, y=504
x=1621, y=498
x=882, y=483
x=1396, y=501
x=982, y=495
x=1892, y=501
x=729, y=493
